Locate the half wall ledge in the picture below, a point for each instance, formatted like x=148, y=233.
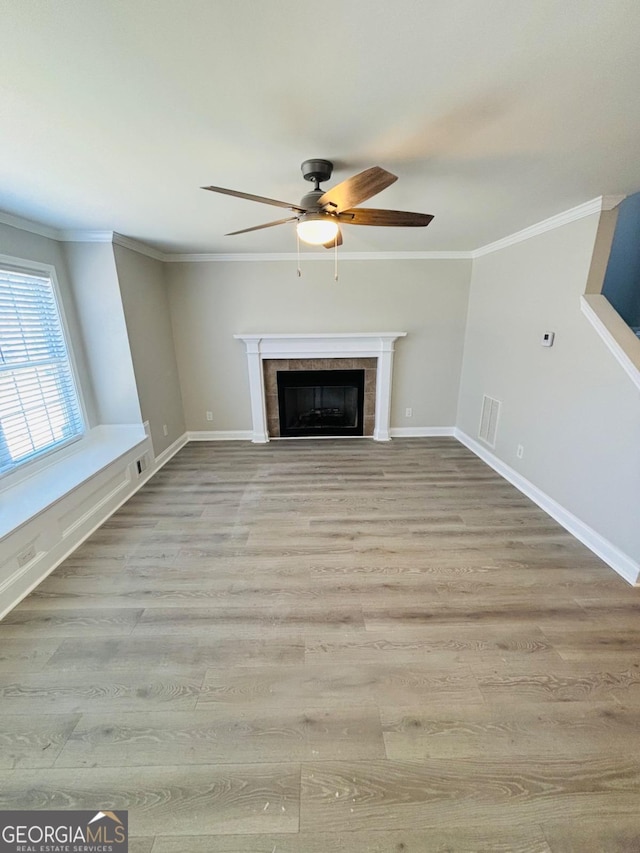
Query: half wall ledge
x=378, y=345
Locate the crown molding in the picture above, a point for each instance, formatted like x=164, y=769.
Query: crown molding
x=213, y=257
x=73, y=236
x=28, y=225
x=77, y=235
x=596, y=205
x=140, y=248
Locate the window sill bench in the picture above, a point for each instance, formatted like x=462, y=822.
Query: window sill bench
x=21, y=502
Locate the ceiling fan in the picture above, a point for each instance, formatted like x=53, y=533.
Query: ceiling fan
x=320, y=213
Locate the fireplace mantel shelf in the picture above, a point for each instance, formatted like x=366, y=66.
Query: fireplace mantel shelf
x=379, y=345
x=304, y=335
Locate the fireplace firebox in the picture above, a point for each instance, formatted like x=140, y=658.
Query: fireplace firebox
x=321, y=402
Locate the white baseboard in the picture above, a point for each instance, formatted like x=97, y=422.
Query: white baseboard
x=165, y=456
x=620, y=562
x=220, y=435
x=420, y=432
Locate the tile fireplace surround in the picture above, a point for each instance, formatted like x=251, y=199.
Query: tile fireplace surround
x=378, y=345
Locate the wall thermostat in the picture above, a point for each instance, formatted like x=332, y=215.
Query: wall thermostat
x=547, y=339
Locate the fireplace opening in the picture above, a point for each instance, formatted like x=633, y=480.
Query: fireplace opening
x=321, y=402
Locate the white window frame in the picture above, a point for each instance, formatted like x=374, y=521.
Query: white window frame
x=46, y=457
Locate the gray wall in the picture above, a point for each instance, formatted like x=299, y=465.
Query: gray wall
x=212, y=301
x=146, y=309
x=94, y=280
x=28, y=247
x=571, y=406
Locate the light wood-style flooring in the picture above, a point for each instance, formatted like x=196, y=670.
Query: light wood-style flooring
x=318, y=646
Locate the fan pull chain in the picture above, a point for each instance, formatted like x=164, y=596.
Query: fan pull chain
x=335, y=248
x=298, y=249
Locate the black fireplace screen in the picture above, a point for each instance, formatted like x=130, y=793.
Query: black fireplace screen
x=321, y=402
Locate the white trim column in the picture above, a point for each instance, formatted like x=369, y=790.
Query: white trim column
x=256, y=389
x=379, y=345
x=383, y=391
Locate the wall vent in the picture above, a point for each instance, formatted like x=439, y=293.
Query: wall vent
x=141, y=464
x=489, y=420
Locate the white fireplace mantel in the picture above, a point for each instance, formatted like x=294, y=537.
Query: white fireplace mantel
x=379, y=345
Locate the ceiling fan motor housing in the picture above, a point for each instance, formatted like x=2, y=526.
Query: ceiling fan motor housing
x=317, y=170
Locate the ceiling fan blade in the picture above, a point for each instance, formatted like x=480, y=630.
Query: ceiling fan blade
x=266, y=225
x=332, y=243
x=370, y=216
x=259, y=198
x=356, y=189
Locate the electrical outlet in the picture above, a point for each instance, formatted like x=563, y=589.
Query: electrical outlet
x=408, y=413
x=165, y=429
x=27, y=555
x=209, y=416
x=520, y=451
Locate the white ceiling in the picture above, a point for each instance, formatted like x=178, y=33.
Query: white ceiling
x=495, y=114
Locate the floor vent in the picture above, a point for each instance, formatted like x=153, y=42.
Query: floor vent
x=489, y=420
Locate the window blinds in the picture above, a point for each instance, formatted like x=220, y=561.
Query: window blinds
x=39, y=407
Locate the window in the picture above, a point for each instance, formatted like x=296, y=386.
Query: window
x=39, y=406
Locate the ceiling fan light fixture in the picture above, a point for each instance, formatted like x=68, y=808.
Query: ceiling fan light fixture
x=317, y=229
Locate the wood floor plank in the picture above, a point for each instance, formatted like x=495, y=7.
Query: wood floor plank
x=184, y=800
x=24, y=654
x=329, y=685
x=462, y=839
x=569, y=584
x=612, y=613
x=540, y=612
x=223, y=735
x=88, y=690
x=597, y=642
x=141, y=845
x=247, y=621
x=512, y=730
x=23, y=622
x=358, y=796
x=89, y=567
x=213, y=593
x=155, y=654
x=568, y=682
x=34, y=740
x=288, y=687
x=453, y=643
x=593, y=835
